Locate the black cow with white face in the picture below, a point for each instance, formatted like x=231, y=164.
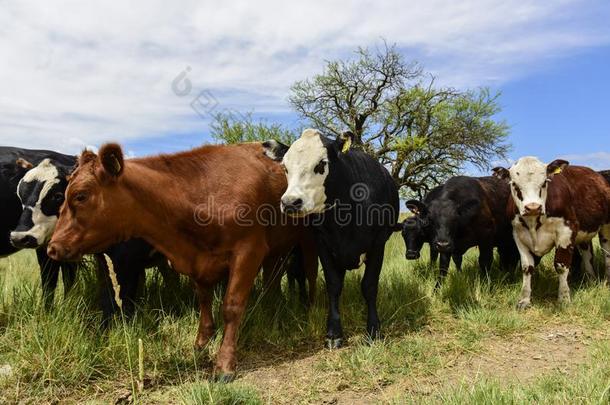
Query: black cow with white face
x=15, y=164
x=463, y=213
x=40, y=192
x=352, y=202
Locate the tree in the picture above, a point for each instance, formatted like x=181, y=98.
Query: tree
x=234, y=127
x=421, y=132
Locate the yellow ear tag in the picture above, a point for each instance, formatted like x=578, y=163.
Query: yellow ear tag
x=557, y=171
x=347, y=144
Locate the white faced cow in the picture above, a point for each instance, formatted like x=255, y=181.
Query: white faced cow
x=354, y=202
x=556, y=206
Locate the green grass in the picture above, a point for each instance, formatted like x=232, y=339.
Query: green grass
x=62, y=355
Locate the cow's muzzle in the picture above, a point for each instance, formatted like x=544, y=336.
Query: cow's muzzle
x=443, y=246
x=292, y=206
x=412, y=255
x=22, y=240
x=60, y=253
x=532, y=210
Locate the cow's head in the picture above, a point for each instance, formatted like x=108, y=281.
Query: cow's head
x=415, y=229
x=92, y=216
x=308, y=163
x=528, y=179
x=41, y=191
x=444, y=217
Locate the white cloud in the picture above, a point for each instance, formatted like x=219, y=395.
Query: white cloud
x=75, y=73
x=596, y=160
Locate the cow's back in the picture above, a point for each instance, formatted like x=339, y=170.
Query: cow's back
x=361, y=172
x=582, y=192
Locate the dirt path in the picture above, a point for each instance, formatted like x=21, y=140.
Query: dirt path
x=519, y=358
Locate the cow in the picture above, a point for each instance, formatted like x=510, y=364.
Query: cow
x=14, y=165
x=352, y=203
x=463, y=213
x=212, y=211
x=41, y=192
x=415, y=229
x=555, y=206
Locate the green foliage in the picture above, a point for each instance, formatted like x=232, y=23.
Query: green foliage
x=63, y=356
x=422, y=132
x=233, y=127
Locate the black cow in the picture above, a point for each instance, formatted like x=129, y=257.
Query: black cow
x=353, y=205
x=467, y=212
x=416, y=230
x=39, y=195
x=14, y=164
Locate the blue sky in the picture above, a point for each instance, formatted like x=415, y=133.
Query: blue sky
x=78, y=74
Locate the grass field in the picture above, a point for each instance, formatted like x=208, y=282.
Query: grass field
x=465, y=343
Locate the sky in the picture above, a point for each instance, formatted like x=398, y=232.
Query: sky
x=148, y=73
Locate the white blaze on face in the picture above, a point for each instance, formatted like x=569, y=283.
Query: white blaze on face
x=528, y=183
x=42, y=225
x=306, y=164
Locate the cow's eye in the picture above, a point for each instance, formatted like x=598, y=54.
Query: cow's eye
x=319, y=169
x=58, y=197
x=81, y=197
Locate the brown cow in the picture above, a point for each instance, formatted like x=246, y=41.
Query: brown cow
x=212, y=211
x=555, y=206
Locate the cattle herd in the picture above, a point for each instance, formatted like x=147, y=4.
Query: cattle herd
x=223, y=212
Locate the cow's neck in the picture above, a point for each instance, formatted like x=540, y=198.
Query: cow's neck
x=154, y=211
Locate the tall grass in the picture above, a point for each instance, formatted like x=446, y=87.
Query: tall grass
x=63, y=354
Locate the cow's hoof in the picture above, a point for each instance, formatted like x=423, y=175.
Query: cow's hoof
x=224, y=378
x=332, y=344
x=523, y=305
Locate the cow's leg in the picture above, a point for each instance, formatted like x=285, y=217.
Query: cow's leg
x=528, y=264
x=486, y=257
x=334, y=277
x=273, y=267
x=443, y=268
x=433, y=255
x=244, y=267
x=68, y=275
x=49, y=273
x=370, y=287
x=604, y=240
x=586, y=253
x=563, y=261
x=457, y=260
x=205, y=332
x=309, y=260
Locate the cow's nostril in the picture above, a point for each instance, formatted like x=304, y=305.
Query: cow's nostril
x=292, y=205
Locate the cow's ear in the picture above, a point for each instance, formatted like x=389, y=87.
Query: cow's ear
x=24, y=164
x=417, y=207
x=111, y=157
x=345, y=141
x=556, y=167
x=501, y=173
x=275, y=150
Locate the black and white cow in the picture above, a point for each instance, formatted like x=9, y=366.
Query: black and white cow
x=41, y=193
x=463, y=213
x=14, y=165
x=556, y=206
x=352, y=202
